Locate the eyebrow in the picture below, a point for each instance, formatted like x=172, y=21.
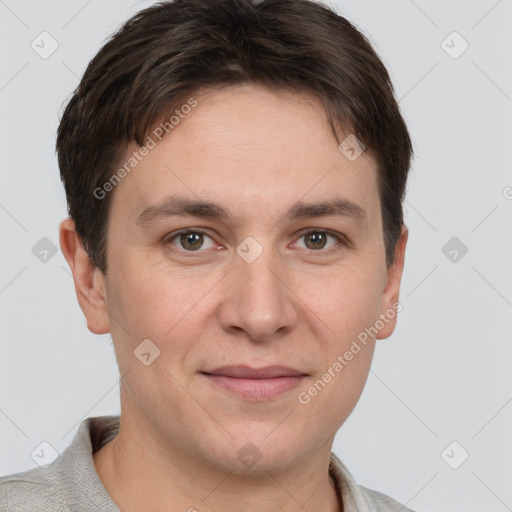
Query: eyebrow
x=180, y=206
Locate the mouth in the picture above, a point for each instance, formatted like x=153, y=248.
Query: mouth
x=255, y=384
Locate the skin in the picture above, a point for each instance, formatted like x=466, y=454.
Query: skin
x=298, y=304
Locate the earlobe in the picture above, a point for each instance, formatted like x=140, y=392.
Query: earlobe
x=390, y=300
x=89, y=281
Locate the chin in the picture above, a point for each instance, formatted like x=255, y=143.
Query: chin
x=247, y=454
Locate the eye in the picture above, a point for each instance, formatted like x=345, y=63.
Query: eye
x=317, y=239
x=190, y=240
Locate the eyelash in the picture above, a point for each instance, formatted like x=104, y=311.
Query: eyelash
x=340, y=239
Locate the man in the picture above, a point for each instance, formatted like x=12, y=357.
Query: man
x=235, y=171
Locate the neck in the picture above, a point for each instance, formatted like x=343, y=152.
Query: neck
x=140, y=475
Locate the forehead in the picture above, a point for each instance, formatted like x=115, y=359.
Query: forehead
x=246, y=145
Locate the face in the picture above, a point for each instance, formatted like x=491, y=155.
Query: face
x=263, y=279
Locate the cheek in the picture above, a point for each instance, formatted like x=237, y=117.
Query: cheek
x=145, y=299
x=166, y=308
x=350, y=306
x=328, y=399
x=347, y=304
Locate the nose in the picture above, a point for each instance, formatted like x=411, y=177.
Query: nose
x=258, y=300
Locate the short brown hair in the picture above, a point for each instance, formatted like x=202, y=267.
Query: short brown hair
x=174, y=48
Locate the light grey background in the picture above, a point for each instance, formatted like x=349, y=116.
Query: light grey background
x=444, y=375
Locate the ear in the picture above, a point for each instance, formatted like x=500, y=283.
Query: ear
x=390, y=305
x=89, y=281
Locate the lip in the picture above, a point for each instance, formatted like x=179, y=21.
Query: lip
x=255, y=384
x=247, y=372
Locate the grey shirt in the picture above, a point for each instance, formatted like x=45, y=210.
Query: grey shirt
x=71, y=482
